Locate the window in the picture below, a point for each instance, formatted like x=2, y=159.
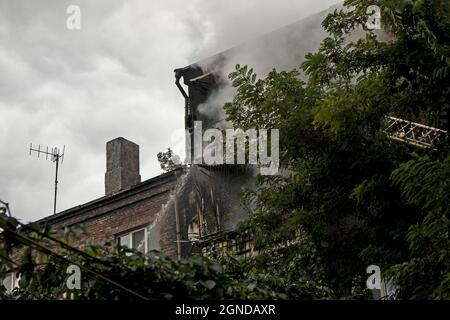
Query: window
x=387, y=292
x=388, y=289
x=137, y=239
x=193, y=231
x=11, y=281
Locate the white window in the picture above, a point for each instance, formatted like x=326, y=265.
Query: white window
x=193, y=231
x=136, y=239
x=388, y=289
x=11, y=281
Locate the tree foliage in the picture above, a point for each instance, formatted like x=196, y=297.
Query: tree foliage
x=360, y=197
x=352, y=197
x=130, y=274
x=168, y=161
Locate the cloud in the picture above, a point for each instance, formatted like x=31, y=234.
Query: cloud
x=114, y=77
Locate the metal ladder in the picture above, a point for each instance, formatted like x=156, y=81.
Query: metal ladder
x=413, y=133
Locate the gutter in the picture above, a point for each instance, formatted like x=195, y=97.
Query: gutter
x=178, y=74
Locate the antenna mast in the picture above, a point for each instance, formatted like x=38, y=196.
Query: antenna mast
x=55, y=156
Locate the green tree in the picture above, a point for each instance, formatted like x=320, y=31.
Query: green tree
x=352, y=197
x=109, y=272
x=168, y=160
x=352, y=191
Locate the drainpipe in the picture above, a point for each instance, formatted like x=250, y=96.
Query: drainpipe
x=178, y=75
x=187, y=113
x=177, y=223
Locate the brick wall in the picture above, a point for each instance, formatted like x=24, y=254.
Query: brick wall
x=176, y=197
x=106, y=218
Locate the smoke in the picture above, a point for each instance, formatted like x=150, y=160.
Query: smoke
x=175, y=209
x=213, y=109
x=229, y=23
x=114, y=77
x=282, y=49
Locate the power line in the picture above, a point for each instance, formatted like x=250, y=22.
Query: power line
x=39, y=247
x=61, y=243
x=27, y=241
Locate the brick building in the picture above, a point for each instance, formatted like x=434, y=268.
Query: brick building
x=129, y=206
x=172, y=211
x=184, y=211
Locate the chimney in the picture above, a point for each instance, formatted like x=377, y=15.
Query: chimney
x=122, y=165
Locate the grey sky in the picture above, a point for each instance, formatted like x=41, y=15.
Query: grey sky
x=114, y=77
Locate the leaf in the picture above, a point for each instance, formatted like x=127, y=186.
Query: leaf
x=209, y=284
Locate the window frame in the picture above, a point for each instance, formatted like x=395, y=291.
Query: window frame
x=130, y=234
x=14, y=281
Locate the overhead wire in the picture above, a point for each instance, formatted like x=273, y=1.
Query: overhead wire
x=39, y=247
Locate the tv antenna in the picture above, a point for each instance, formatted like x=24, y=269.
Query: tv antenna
x=55, y=155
